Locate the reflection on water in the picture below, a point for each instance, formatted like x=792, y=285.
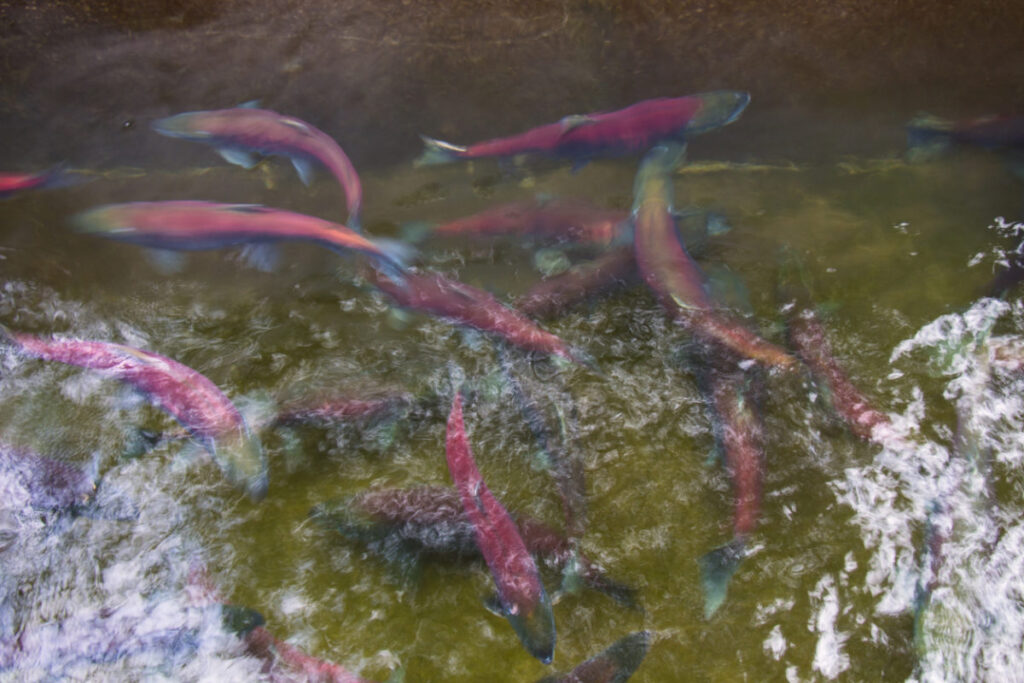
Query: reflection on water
x=896, y=555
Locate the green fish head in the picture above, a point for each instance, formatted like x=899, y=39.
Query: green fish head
x=187, y=126
x=101, y=220
x=240, y=455
x=536, y=629
x=718, y=109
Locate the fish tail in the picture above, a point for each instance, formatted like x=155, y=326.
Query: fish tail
x=438, y=152
x=393, y=257
x=716, y=569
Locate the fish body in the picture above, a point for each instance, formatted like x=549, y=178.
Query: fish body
x=612, y=133
x=433, y=293
x=237, y=132
x=261, y=643
x=51, y=484
x=999, y=131
x=430, y=520
x=551, y=297
x=340, y=409
x=523, y=598
x=614, y=665
x=13, y=183
x=740, y=431
x=673, y=275
x=188, y=396
x=808, y=338
x=554, y=220
x=199, y=225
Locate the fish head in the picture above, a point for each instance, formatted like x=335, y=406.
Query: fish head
x=535, y=627
x=241, y=456
x=108, y=219
x=718, y=109
x=194, y=126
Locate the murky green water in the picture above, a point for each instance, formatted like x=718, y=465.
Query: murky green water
x=827, y=591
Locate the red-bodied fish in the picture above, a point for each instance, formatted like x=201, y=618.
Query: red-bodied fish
x=189, y=397
x=993, y=132
x=625, y=131
x=13, y=183
x=238, y=132
x=808, y=338
x=430, y=521
x=340, y=409
x=430, y=292
x=549, y=298
x=556, y=220
x=671, y=272
x=523, y=599
x=614, y=665
x=188, y=225
x=741, y=437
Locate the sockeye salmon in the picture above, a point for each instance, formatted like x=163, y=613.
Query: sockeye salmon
x=238, y=132
x=188, y=396
x=613, y=133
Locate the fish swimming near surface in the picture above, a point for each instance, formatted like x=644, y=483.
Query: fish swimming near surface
x=740, y=432
x=188, y=396
x=14, y=183
x=614, y=665
x=524, y=601
x=808, y=338
x=237, y=133
x=614, y=133
x=431, y=292
x=412, y=524
x=188, y=225
x=674, y=276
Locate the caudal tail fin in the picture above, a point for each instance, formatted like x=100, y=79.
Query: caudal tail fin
x=394, y=257
x=438, y=152
x=716, y=569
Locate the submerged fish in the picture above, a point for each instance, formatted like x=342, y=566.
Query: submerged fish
x=238, y=132
x=553, y=219
x=555, y=435
x=13, y=183
x=992, y=132
x=340, y=409
x=524, y=601
x=614, y=665
x=671, y=272
x=808, y=338
x=740, y=432
x=51, y=484
x=430, y=292
x=198, y=225
x=549, y=298
x=429, y=521
x=613, y=133
x=188, y=396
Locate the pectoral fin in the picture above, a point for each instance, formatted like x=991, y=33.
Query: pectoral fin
x=237, y=157
x=304, y=167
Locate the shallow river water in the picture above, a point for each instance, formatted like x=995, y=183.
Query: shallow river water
x=898, y=255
